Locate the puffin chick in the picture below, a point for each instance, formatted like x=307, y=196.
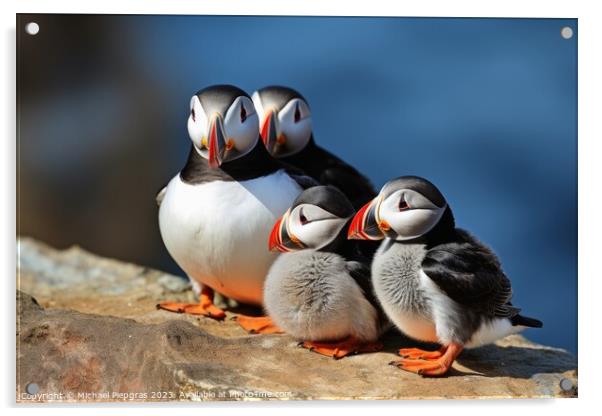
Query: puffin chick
x=319, y=289
x=436, y=283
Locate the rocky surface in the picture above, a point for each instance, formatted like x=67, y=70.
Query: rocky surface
x=88, y=330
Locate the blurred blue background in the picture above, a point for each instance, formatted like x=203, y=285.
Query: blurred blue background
x=485, y=108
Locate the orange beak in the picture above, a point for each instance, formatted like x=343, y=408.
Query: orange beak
x=275, y=240
x=364, y=225
x=268, y=131
x=217, y=143
x=281, y=240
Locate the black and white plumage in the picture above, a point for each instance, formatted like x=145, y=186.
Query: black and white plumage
x=215, y=216
x=437, y=283
x=319, y=289
x=286, y=130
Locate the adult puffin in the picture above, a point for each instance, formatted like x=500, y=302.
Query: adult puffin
x=436, y=282
x=216, y=214
x=286, y=131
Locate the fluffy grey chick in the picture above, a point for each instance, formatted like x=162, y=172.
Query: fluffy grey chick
x=319, y=290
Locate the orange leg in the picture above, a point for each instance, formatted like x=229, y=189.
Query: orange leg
x=432, y=367
x=258, y=324
x=340, y=349
x=419, y=354
x=205, y=306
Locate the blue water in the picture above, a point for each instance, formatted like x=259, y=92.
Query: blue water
x=484, y=108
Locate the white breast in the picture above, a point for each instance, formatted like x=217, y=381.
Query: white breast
x=396, y=284
x=414, y=326
x=218, y=231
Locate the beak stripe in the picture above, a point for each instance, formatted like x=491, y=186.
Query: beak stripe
x=266, y=127
x=364, y=225
x=268, y=131
x=357, y=224
x=281, y=239
x=275, y=242
x=213, y=162
x=217, y=143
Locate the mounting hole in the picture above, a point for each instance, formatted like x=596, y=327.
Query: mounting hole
x=566, y=32
x=566, y=384
x=32, y=28
x=32, y=388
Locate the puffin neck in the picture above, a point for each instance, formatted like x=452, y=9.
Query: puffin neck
x=302, y=155
x=444, y=231
x=254, y=164
x=341, y=245
x=258, y=161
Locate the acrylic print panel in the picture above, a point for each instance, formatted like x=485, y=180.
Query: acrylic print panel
x=143, y=182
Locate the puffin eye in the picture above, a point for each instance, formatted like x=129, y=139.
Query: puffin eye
x=243, y=113
x=303, y=218
x=403, y=205
x=297, y=115
x=193, y=114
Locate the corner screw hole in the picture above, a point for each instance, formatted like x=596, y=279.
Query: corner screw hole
x=32, y=388
x=32, y=28
x=566, y=384
x=566, y=32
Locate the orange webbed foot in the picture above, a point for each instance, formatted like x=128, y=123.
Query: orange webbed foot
x=431, y=367
x=419, y=354
x=205, y=307
x=258, y=324
x=343, y=348
x=208, y=310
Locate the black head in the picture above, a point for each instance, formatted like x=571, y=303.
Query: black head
x=406, y=208
x=285, y=120
x=415, y=184
x=315, y=219
x=328, y=198
x=222, y=124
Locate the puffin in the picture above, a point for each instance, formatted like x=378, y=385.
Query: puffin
x=436, y=283
x=286, y=131
x=217, y=212
x=319, y=290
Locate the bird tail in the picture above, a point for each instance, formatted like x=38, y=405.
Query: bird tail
x=525, y=321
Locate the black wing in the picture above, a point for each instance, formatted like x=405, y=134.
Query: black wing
x=360, y=272
x=471, y=275
x=299, y=176
x=302, y=180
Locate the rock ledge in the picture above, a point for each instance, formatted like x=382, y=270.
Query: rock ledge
x=88, y=330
